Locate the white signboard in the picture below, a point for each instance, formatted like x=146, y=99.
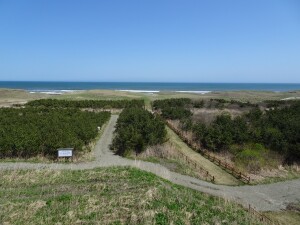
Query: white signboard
x=65, y=153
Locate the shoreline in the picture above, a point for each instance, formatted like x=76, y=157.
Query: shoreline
x=147, y=87
x=66, y=91
x=9, y=96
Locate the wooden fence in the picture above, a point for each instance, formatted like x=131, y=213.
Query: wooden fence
x=261, y=217
x=196, y=166
x=237, y=174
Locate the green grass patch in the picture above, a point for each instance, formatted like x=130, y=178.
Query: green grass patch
x=253, y=157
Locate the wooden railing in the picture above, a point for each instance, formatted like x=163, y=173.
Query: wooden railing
x=204, y=173
x=261, y=217
x=237, y=174
x=256, y=214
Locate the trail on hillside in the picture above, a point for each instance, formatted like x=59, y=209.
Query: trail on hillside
x=268, y=197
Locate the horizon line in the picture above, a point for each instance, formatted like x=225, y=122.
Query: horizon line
x=196, y=82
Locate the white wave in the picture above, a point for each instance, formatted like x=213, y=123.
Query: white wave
x=51, y=92
x=195, y=92
x=69, y=90
x=140, y=91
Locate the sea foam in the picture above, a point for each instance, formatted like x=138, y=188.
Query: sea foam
x=52, y=92
x=194, y=92
x=139, y=91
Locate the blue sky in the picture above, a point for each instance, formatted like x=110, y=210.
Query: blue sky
x=150, y=40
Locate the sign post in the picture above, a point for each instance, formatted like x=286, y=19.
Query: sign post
x=65, y=153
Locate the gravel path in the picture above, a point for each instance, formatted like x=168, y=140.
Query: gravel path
x=269, y=197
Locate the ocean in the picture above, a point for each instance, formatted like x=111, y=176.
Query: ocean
x=146, y=87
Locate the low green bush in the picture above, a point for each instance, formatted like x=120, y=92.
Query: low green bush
x=106, y=104
x=135, y=130
x=31, y=131
x=175, y=113
x=173, y=102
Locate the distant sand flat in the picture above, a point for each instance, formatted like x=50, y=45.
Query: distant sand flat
x=291, y=98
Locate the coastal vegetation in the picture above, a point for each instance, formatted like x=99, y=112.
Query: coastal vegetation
x=251, y=134
x=28, y=132
x=137, y=129
x=114, y=195
x=9, y=97
x=175, y=108
x=94, y=104
x=83, y=197
x=277, y=129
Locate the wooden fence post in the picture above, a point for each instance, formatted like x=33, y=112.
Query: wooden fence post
x=206, y=154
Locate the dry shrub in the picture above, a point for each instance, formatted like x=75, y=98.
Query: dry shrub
x=165, y=151
x=207, y=116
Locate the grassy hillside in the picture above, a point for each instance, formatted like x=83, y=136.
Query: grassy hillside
x=107, y=196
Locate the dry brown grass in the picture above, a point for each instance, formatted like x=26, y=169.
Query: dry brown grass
x=207, y=116
x=290, y=216
x=275, y=174
x=166, y=151
x=8, y=97
x=168, y=156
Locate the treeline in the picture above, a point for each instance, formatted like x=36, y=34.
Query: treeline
x=30, y=132
x=196, y=103
x=173, y=102
x=221, y=133
x=180, y=108
x=94, y=104
x=279, y=103
x=175, y=108
x=277, y=129
x=137, y=129
x=232, y=102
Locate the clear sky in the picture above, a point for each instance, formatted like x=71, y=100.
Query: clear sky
x=150, y=40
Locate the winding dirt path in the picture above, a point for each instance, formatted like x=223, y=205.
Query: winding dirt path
x=269, y=197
